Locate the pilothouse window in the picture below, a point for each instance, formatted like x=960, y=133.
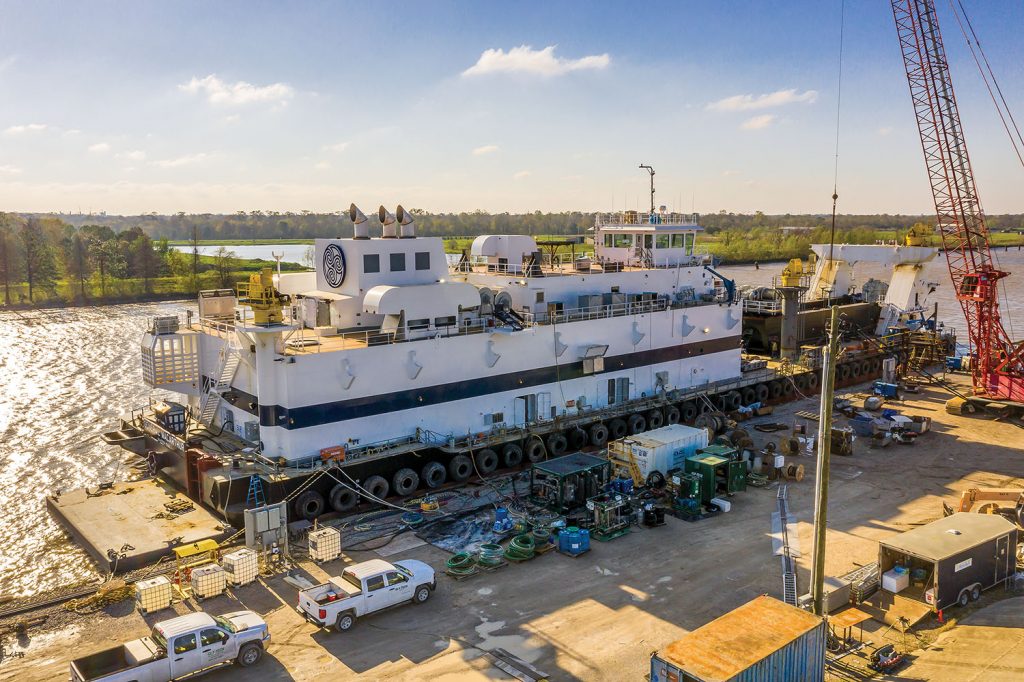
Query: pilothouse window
x=398, y=262
x=661, y=241
x=623, y=241
x=422, y=260
x=371, y=262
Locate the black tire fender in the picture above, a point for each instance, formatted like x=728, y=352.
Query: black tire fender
x=512, y=455
x=343, y=498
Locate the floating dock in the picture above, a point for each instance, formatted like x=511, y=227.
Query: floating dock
x=127, y=526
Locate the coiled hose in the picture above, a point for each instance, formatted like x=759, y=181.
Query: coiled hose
x=491, y=554
x=521, y=548
x=541, y=537
x=462, y=563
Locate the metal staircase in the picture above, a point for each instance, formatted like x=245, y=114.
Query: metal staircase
x=229, y=361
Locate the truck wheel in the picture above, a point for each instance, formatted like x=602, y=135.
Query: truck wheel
x=405, y=482
x=343, y=498
x=421, y=594
x=377, y=486
x=512, y=455
x=434, y=474
x=486, y=461
x=309, y=505
x=976, y=593
x=964, y=598
x=250, y=655
x=345, y=621
x=460, y=468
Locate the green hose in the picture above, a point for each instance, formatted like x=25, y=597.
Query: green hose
x=462, y=563
x=521, y=548
x=490, y=554
x=541, y=536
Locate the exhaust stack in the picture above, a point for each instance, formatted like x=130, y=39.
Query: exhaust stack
x=387, y=221
x=406, y=222
x=359, y=224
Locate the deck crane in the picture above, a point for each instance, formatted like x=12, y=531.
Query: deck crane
x=997, y=368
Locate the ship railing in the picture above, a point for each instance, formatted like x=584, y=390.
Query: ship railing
x=596, y=312
x=645, y=218
x=214, y=326
x=762, y=307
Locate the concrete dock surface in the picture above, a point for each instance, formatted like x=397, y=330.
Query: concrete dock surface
x=601, y=615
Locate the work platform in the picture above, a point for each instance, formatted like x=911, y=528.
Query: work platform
x=130, y=519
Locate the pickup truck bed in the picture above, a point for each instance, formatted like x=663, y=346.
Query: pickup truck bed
x=119, y=658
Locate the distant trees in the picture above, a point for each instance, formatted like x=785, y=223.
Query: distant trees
x=224, y=264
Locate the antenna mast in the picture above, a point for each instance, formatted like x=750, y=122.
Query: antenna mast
x=650, y=169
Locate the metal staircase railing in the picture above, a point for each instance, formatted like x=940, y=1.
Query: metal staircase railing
x=229, y=361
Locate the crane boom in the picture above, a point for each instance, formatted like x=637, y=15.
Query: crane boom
x=998, y=368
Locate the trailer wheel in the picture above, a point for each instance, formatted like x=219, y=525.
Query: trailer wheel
x=512, y=455
x=535, y=451
x=343, y=498
x=655, y=419
x=964, y=598
x=405, y=482
x=976, y=593
x=434, y=474
x=598, y=435
x=486, y=461
x=376, y=487
x=689, y=411
x=617, y=429
x=345, y=621
x=250, y=655
x=460, y=468
x=557, y=444
x=672, y=415
x=309, y=505
x=636, y=424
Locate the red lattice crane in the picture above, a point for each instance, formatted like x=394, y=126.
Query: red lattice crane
x=998, y=367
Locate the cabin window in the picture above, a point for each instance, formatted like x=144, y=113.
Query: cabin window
x=422, y=260
x=540, y=297
x=374, y=582
x=444, y=321
x=398, y=262
x=608, y=240
x=661, y=241
x=418, y=324
x=623, y=241
x=185, y=643
x=371, y=262
x=679, y=241
x=212, y=636
x=396, y=578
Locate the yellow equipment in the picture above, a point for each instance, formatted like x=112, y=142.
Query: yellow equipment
x=620, y=454
x=260, y=295
x=793, y=273
x=1008, y=502
x=918, y=234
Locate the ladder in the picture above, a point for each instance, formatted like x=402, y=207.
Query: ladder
x=703, y=397
x=789, y=586
x=255, y=497
x=229, y=361
x=621, y=456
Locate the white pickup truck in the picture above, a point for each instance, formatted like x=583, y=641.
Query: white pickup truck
x=364, y=588
x=178, y=648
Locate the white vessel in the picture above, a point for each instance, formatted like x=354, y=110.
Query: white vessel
x=391, y=369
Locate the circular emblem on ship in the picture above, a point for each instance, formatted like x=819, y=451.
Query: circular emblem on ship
x=334, y=265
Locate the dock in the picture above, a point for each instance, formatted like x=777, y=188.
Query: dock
x=133, y=524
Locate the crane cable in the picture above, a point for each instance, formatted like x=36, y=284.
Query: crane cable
x=839, y=101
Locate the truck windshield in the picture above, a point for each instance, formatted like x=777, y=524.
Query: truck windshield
x=225, y=623
x=159, y=639
x=349, y=578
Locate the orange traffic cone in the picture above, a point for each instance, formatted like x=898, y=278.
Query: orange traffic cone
x=941, y=620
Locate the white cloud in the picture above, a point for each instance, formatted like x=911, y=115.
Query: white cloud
x=729, y=173
x=73, y=131
x=336, y=148
x=99, y=148
x=27, y=128
x=10, y=170
x=885, y=130
x=186, y=160
x=323, y=165
x=772, y=99
x=758, y=122
x=136, y=155
x=522, y=175
x=219, y=92
x=233, y=118
x=525, y=59
x=486, y=149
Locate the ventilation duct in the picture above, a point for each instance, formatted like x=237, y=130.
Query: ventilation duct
x=359, y=225
x=387, y=221
x=406, y=222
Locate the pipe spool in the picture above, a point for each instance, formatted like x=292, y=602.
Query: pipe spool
x=361, y=229
x=793, y=472
x=388, y=222
x=406, y=223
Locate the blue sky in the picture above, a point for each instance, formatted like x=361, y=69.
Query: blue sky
x=447, y=106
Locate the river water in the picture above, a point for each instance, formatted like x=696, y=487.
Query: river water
x=67, y=375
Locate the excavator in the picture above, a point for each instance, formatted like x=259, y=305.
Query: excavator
x=1007, y=502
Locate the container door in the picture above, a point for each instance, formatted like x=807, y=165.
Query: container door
x=1002, y=558
x=185, y=655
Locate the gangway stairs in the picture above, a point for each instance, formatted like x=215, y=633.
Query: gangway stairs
x=229, y=361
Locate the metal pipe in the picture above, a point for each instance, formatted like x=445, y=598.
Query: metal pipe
x=822, y=465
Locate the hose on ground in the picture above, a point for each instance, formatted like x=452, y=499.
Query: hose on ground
x=462, y=563
x=491, y=554
x=521, y=548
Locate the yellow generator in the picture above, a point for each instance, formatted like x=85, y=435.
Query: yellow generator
x=260, y=295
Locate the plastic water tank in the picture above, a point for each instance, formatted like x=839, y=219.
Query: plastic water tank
x=325, y=544
x=208, y=581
